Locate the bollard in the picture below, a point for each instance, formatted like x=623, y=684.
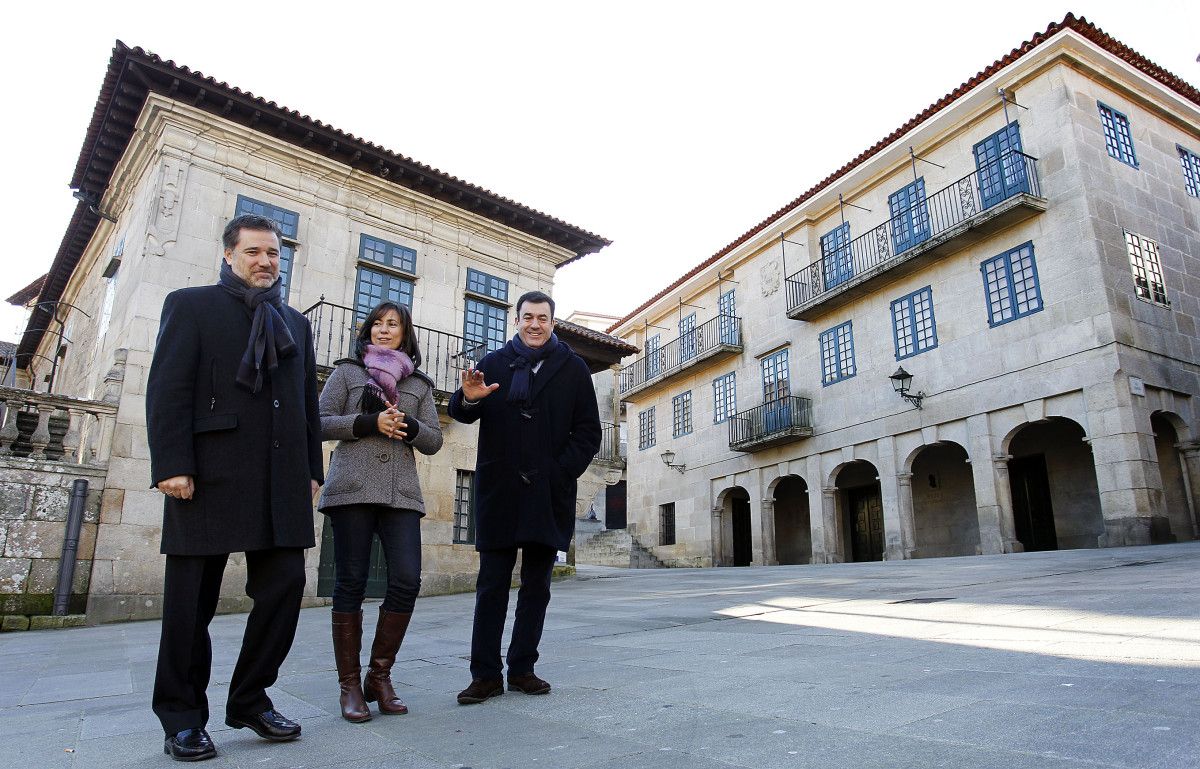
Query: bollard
x=66, y=566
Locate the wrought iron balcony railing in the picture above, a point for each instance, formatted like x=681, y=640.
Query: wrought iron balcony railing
x=611, y=447
x=442, y=355
x=771, y=424
x=993, y=194
x=721, y=335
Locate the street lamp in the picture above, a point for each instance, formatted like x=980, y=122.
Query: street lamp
x=902, y=383
x=668, y=458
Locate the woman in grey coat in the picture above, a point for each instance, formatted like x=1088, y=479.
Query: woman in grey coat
x=379, y=408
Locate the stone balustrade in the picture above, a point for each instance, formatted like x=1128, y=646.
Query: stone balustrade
x=56, y=428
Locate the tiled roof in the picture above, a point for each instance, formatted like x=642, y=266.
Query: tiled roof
x=27, y=294
x=7, y=350
x=1079, y=25
x=599, y=337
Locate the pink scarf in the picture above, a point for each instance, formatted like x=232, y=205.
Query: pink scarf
x=387, y=367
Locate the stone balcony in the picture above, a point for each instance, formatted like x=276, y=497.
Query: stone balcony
x=716, y=340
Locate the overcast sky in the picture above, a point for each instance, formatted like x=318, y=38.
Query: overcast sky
x=670, y=128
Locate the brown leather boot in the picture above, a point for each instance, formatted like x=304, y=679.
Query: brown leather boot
x=347, y=641
x=389, y=633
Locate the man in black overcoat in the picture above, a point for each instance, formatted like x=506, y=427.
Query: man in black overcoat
x=235, y=447
x=539, y=428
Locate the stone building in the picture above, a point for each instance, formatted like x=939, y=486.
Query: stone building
x=978, y=336
x=169, y=157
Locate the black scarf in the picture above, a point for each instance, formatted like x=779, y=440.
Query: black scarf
x=270, y=340
x=526, y=358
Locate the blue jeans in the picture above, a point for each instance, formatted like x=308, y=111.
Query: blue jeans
x=354, y=527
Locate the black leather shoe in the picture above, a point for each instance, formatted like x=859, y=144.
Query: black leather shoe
x=527, y=683
x=481, y=689
x=189, y=745
x=270, y=725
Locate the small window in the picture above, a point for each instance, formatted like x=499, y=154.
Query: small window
x=487, y=285
x=775, y=377
x=646, y=437
x=654, y=362
x=687, y=337
x=1011, y=283
x=1147, y=269
x=1117, y=138
x=1191, y=170
x=727, y=314
x=681, y=414
x=387, y=254
x=913, y=327
x=289, y=223
x=837, y=354
x=666, y=524
x=464, y=508
x=910, y=216
x=835, y=256
x=724, y=397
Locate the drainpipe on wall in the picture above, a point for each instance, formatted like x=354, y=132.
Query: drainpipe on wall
x=70, y=548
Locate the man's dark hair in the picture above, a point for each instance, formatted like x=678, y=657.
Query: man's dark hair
x=233, y=230
x=408, y=345
x=535, y=297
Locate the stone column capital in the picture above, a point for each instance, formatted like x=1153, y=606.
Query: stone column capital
x=1189, y=449
x=829, y=491
x=905, y=479
x=1001, y=460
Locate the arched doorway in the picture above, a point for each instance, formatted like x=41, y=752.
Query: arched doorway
x=1056, y=502
x=737, y=544
x=862, y=511
x=1170, y=467
x=793, y=532
x=945, y=516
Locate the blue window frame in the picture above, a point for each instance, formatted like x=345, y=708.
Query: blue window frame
x=376, y=286
x=485, y=322
x=1117, y=138
x=654, y=364
x=387, y=254
x=1191, y=170
x=289, y=223
x=910, y=216
x=687, y=337
x=724, y=397
x=914, y=329
x=726, y=311
x=1010, y=282
x=1148, y=283
x=777, y=407
x=646, y=437
x=837, y=354
x=1000, y=167
x=835, y=256
x=681, y=414
x=487, y=285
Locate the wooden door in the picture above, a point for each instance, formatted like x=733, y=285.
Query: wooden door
x=1033, y=513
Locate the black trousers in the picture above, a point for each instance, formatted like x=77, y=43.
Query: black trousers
x=275, y=582
x=354, y=528
x=491, y=607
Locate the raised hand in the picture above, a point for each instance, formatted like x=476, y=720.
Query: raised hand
x=473, y=386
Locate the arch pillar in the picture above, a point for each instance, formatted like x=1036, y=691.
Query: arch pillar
x=770, y=556
x=1191, y=462
x=1007, y=527
x=908, y=535
x=832, y=528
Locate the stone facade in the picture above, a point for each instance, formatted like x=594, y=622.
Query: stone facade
x=1071, y=425
x=173, y=189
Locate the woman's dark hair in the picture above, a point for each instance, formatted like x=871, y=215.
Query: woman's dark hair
x=408, y=346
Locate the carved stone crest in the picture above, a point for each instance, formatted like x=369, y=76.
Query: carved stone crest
x=769, y=275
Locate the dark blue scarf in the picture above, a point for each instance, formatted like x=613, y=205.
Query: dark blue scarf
x=270, y=340
x=525, y=359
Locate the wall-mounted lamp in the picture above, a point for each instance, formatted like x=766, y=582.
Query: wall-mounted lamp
x=902, y=383
x=668, y=458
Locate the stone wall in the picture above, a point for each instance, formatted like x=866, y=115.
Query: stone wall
x=34, y=500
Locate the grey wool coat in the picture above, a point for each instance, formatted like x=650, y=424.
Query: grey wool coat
x=375, y=469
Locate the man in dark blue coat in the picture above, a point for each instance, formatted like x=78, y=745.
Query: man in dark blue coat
x=235, y=447
x=539, y=427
